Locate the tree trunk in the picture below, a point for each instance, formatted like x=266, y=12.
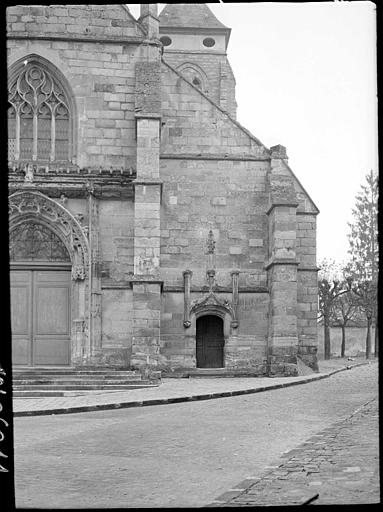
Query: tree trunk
x=343, y=346
x=376, y=344
x=327, y=341
x=368, y=339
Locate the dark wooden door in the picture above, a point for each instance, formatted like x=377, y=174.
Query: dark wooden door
x=40, y=306
x=210, y=342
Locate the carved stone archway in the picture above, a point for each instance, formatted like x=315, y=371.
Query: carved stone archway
x=27, y=206
x=35, y=205
x=210, y=304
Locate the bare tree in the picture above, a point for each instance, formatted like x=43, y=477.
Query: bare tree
x=330, y=288
x=345, y=309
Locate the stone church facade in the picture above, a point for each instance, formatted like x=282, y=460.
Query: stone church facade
x=148, y=229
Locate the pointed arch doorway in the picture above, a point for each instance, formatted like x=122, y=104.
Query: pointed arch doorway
x=210, y=342
x=40, y=296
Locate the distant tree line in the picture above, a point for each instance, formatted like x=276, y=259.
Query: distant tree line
x=348, y=292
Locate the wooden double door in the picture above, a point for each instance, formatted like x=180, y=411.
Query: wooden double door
x=210, y=342
x=40, y=317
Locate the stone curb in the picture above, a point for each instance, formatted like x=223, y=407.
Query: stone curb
x=163, y=401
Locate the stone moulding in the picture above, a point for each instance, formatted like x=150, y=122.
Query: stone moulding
x=25, y=205
x=18, y=167
x=210, y=303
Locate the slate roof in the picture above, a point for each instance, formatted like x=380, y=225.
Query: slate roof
x=189, y=16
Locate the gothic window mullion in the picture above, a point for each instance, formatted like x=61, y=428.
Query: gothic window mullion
x=53, y=135
x=17, y=141
x=35, y=134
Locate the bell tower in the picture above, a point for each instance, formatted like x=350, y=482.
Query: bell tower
x=195, y=43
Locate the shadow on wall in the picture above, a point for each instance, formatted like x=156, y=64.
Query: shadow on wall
x=355, y=341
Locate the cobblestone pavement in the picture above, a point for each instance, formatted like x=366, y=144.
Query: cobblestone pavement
x=169, y=389
x=178, y=455
x=340, y=464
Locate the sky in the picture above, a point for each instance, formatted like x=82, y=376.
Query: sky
x=306, y=78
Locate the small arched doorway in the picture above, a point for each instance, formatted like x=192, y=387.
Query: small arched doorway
x=40, y=296
x=209, y=342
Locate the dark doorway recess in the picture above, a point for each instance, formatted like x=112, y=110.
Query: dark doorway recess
x=210, y=342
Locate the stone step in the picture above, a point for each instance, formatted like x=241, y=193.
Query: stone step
x=206, y=373
x=77, y=392
x=79, y=378
x=110, y=371
x=75, y=387
x=75, y=382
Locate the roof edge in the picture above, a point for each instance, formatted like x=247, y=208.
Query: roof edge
x=234, y=121
x=127, y=10
x=302, y=187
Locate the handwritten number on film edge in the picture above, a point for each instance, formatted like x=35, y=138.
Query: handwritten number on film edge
x=2, y=468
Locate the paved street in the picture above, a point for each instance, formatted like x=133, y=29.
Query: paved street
x=181, y=455
x=337, y=466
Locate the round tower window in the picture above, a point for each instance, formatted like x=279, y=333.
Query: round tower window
x=209, y=42
x=165, y=40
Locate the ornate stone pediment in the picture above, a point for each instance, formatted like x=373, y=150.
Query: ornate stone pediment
x=211, y=302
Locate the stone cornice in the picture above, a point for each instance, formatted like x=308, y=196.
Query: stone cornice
x=281, y=261
x=16, y=168
x=217, y=289
x=148, y=115
x=299, y=212
x=196, y=52
x=133, y=40
x=74, y=189
x=276, y=205
x=149, y=181
x=206, y=156
x=127, y=284
x=71, y=180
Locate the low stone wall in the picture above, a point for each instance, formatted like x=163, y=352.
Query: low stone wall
x=355, y=341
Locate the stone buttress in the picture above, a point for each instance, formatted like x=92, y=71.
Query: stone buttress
x=146, y=282
x=282, y=269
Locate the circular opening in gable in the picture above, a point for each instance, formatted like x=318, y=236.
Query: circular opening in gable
x=165, y=40
x=209, y=42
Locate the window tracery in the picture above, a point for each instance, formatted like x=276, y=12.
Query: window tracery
x=35, y=242
x=38, y=116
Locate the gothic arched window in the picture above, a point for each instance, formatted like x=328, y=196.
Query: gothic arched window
x=39, y=116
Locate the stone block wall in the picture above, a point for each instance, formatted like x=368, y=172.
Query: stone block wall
x=245, y=347
x=229, y=197
x=191, y=124
x=112, y=21
x=99, y=70
x=116, y=225
x=219, y=75
x=117, y=325
x=307, y=289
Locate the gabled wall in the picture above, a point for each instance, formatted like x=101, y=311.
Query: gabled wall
x=194, y=125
